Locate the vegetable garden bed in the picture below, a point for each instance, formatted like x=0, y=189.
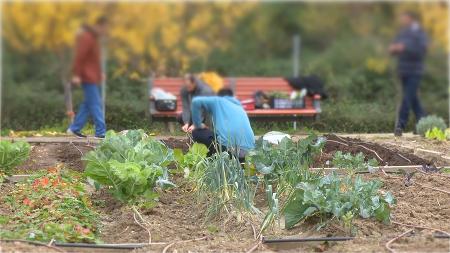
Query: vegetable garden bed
x=177, y=217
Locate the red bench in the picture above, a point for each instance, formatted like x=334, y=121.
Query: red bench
x=244, y=88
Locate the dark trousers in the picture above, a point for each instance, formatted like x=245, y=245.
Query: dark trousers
x=207, y=137
x=410, y=100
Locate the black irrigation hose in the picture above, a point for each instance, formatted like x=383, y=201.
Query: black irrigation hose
x=98, y=246
x=441, y=236
x=307, y=239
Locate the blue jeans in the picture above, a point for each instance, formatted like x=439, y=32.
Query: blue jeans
x=92, y=105
x=410, y=87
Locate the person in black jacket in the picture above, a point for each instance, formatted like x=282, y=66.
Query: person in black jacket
x=410, y=47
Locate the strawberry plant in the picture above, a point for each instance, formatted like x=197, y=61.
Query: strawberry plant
x=131, y=165
x=12, y=155
x=50, y=205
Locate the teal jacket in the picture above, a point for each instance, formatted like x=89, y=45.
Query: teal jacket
x=230, y=121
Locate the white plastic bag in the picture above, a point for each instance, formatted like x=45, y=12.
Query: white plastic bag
x=275, y=137
x=160, y=94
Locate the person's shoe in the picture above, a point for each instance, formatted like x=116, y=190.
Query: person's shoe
x=77, y=134
x=99, y=137
x=398, y=132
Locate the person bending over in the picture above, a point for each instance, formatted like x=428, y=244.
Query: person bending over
x=193, y=87
x=231, y=130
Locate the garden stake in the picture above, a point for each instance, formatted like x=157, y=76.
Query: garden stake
x=338, y=142
x=388, y=244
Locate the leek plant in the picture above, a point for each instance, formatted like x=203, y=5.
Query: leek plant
x=224, y=187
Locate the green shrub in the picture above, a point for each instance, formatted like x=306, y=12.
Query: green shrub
x=430, y=122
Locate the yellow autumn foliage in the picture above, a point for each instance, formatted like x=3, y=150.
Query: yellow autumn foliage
x=143, y=36
x=377, y=65
x=156, y=36
x=212, y=79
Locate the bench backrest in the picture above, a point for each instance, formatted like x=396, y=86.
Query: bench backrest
x=244, y=87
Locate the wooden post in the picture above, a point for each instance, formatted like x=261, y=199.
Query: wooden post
x=1, y=73
x=63, y=57
x=296, y=63
x=448, y=56
x=149, y=98
x=296, y=55
x=68, y=98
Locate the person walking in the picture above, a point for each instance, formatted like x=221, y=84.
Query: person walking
x=87, y=72
x=410, y=47
x=230, y=131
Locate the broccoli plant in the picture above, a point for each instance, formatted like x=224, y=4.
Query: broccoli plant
x=337, y=196
x=353, y=163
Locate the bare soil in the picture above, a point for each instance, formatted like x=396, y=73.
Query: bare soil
x=47, y=155
x=178, y=216
x=385, y=156
x=17, y=246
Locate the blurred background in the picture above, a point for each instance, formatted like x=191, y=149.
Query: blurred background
x=344, y=43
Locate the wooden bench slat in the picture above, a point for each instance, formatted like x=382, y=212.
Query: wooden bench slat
x=245, y=87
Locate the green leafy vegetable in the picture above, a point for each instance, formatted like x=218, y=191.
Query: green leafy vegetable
x=337, y=196
x=436, y=134
x=192, y=160
x=430, y=122
x=12, y=155
x=353, y=163
x=132, y=165
x=287, y=162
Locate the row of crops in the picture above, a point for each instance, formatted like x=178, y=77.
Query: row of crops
x=135, y=169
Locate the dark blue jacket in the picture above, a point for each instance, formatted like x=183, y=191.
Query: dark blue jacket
x=411, y=60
